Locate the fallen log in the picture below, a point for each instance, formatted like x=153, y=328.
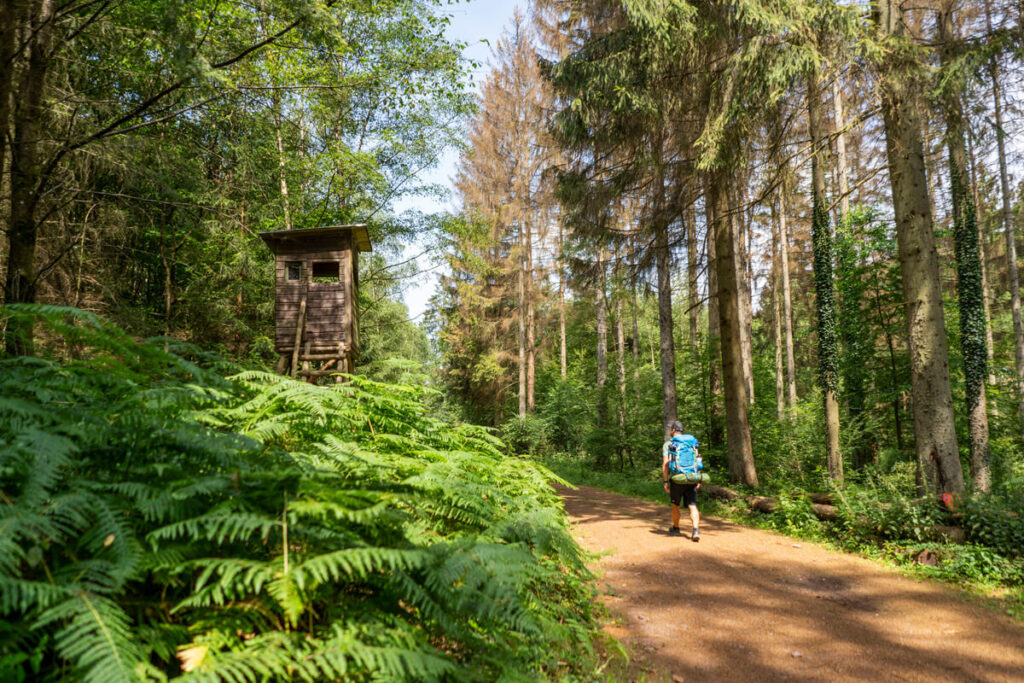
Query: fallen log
x=762, y=504
x=719, y=492
x=824, y=509
x=826, y=513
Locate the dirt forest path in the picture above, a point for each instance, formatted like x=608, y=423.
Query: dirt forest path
x=749, y=605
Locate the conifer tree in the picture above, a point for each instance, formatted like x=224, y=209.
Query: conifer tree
x=828, y=343
x=938, y=456
x=970, y=292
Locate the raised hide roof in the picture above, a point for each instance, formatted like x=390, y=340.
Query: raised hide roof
x=360, y=238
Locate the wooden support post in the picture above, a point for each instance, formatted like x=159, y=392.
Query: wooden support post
x=282, y=363
x=300, y=329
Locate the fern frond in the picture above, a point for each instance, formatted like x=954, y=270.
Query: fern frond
x=96, y=639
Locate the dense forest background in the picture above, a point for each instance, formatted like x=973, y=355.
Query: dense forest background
x=854, y=288
x=793, y=225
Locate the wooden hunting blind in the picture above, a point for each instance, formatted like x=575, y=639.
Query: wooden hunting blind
x=316, y=319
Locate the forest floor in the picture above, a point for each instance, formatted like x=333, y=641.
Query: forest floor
x=750, y=605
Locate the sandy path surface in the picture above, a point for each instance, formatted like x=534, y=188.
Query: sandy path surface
x=749, y=605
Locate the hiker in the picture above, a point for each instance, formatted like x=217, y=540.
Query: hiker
x=685, y=492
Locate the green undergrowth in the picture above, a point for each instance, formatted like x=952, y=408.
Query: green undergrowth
x=873, y=521
x=165, y=516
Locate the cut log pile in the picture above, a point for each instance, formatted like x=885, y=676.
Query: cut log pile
x=823, y=506
x=821, y=503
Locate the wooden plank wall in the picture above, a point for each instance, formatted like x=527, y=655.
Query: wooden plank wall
x=328, y=318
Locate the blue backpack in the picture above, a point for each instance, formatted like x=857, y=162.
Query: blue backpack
x=684, y=466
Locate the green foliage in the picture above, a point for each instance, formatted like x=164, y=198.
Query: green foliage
x=567, y=411
x=527, y=434
x=997, y=521
x=163, y=521
x=870, y=518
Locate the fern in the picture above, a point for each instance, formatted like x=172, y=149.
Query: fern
x=159, y=519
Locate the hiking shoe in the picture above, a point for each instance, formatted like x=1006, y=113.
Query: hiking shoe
x=674, y=531
x=695, y=536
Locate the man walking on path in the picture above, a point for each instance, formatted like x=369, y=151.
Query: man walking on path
x=686, y=493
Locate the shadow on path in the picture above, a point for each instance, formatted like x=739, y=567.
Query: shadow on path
x=745, y=604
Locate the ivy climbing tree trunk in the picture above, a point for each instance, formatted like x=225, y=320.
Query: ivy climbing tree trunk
x=938, y=456
x=821, y=234
x=968, y=265
x=982, y=253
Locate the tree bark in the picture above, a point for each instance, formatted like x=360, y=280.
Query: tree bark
x=602, y=339
x=665, y=325
x=828, y=342
x=620, y=359
x=736, y=215
x=842, y=168
x=780, y=381
x=938, y=457
x=531, y=323
x=714, y=326
x=968, y=267
x=787, y=301
x=1008, y=226
x=27, y=121
x=983, y=255
x=281, y=164
x=693, y=273
x=522, y=321
x=740, y=454
x=561, y=304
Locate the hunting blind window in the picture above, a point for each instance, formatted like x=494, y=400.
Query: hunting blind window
x=326, y=271
x=293, y=271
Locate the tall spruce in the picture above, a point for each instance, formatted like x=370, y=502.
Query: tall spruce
x=938, y=457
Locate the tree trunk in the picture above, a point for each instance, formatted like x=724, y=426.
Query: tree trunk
x=27, y=121
x=620, y=359
x=281, y=165
x=602, y=339
x=561, y=304
x=1008, y=226
x=667, y=343
x=745, y=303
x=10, y=22
x=693, y=273
x=714, y=326
x=842, y=168
x=780, y=381
x=983, y=255
x=828, y=343
x=740, y=454
x=531, y=324
x=522, y=321
x=787, y=301
x=938, y=457
x=968, y=267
